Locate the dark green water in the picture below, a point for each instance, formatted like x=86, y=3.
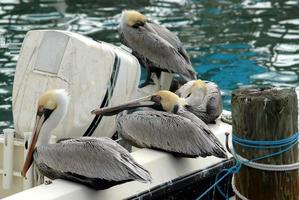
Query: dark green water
x=231, y=42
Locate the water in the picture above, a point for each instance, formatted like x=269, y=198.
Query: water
x=232, y=43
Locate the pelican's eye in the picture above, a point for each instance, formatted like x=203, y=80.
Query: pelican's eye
x=138, y=24
x=156, y=98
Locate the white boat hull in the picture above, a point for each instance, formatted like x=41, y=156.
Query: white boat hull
x=163, y=167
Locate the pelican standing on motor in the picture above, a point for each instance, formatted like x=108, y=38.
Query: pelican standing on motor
x=96, y=162
x=203, y=99
x=166, y=125
x=156, y=48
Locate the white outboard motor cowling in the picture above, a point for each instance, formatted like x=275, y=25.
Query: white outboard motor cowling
x=95, y=74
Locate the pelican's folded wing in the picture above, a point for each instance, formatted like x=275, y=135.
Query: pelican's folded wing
x=158, y=50
x=99, y=158
x=171, y=38
x=169, y=132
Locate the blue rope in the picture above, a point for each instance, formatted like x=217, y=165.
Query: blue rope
x=265, y=143
x=287, y=143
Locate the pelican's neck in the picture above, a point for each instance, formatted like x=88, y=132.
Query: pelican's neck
x=196, y=97
x=52, y=122
x=123, y=19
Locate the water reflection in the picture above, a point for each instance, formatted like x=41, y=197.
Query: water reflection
x=231, y=42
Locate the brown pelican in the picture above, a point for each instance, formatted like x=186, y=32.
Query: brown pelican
x=165, y=125
x=156, y=47
x=203, y=99
x=96, y=162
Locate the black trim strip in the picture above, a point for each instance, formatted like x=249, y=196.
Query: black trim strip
x=169, y=189
x=109, y=92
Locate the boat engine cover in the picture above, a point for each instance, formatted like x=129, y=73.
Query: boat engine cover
x=95, y=74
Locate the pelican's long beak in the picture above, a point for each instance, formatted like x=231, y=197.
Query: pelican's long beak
x=40, y=119
x=148, y=101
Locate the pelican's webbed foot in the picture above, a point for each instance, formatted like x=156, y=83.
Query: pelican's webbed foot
x=148, y=81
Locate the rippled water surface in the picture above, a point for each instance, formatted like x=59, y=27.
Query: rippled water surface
x=231, y=42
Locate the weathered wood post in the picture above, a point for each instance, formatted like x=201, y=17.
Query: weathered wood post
x=266, y=114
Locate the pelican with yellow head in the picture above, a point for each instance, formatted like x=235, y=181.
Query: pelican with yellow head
x=156, y=48
x=96, y=162
x=203, y=99
x=161, y=121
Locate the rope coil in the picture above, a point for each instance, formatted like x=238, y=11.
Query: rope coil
x=268, y=167
x=285, y=144
x=265, y=144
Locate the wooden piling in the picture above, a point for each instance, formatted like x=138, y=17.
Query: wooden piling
x=266, y=114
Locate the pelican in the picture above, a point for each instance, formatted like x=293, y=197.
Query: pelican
x=164, y=124
x=96, y=162
x=155, y=46
x=203, y=99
